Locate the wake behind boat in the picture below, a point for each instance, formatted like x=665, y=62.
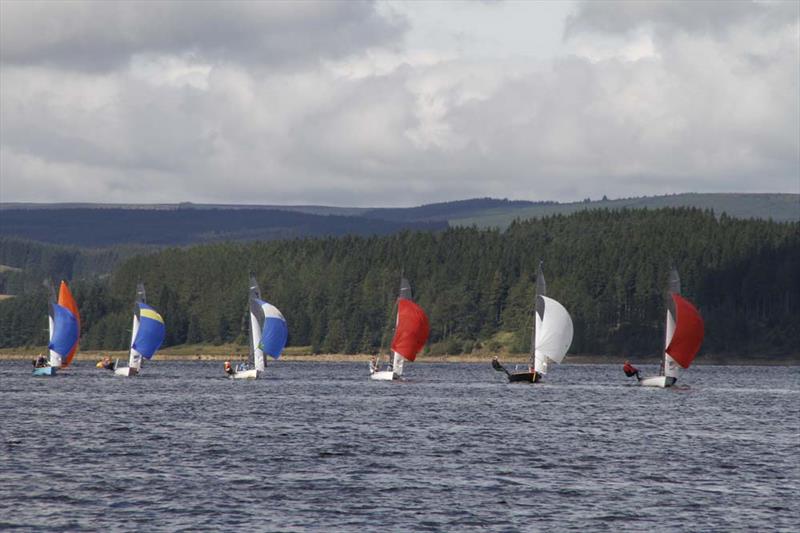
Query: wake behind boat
x=146, y=337
x=551, y=336
x=268, y=335
x=64, y=329
x=684, y=331
x=411, y=333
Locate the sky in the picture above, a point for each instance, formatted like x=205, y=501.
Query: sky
x=393, y=103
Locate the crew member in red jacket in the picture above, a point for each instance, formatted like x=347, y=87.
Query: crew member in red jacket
x=630, y=370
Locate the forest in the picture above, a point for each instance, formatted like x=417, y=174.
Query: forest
x=608, y=267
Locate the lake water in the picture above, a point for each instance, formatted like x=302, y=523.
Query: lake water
x=454, y=448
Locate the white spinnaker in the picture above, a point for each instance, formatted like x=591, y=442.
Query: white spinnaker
x=397, y=364
x=671, y=367
x=258, y=354
x=134, y=358
x=553, y=333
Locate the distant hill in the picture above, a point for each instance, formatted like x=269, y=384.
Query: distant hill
x=778, y=207
x=96, y=225
x=104, y=226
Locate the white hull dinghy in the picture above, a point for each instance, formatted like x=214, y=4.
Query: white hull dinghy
x=683, y=335
x=146, y=337
x=411, y=333
x=268, y=335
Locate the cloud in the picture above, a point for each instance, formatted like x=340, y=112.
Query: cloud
x=621, y=111
x=669, y=17
x=99, y=35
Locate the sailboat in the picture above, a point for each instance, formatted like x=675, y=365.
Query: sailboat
x=146, y=337
x=411, y=333
x=268, y=335
x=550, y=339
x=65, y=331
x=684, y=331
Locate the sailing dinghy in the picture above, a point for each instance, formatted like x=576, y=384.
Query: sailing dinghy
x=550, y=339
x=65, y=331
x=146, y=337
x=268, y=335
x=411, y=333
x=684, y=331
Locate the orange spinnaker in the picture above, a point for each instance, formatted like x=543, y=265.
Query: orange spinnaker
x=412, y=329
x=65, y=299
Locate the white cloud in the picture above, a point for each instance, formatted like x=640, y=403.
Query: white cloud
x=643, y=101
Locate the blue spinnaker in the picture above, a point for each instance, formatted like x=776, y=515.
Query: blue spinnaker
x=275, y=331
x=65, y=330
x=151, y=331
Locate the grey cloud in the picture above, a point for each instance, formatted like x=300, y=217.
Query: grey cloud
x=668, y=16
x=698, y=115
x=100, y=35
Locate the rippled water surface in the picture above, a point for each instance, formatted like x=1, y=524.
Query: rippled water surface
x=454, y=448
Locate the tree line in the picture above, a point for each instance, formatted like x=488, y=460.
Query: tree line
x=608, y=268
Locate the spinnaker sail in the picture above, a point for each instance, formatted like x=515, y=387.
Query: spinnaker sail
x=412, y=330
x=65, y=327
x=688, y=334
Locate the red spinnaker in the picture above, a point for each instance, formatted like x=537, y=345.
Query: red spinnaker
x=689, y=332
x=65, y=299
x=412, y=329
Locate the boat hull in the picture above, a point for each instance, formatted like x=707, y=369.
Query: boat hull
x=385, y=375
x=661, y=382
x=45, y=371
x=524, y=377
x=126, y=371
x=251, y=373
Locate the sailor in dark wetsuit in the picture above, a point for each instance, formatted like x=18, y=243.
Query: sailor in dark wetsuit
x=40, y=362
x=228, y=368
x=496, y=364
x=631, y=370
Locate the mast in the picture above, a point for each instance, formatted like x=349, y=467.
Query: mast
x=671, y=367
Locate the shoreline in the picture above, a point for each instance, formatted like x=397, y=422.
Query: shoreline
x=584, y=359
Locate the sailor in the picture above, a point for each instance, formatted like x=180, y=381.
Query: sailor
x=631, y=370
x=228, y=368
x=496, y=364
x=373, y=363
x=40, y=362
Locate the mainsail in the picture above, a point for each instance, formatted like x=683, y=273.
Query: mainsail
x=553, y=330
x=268, y=329
x=148, y=330
x=65, y=327
x=411, y=331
